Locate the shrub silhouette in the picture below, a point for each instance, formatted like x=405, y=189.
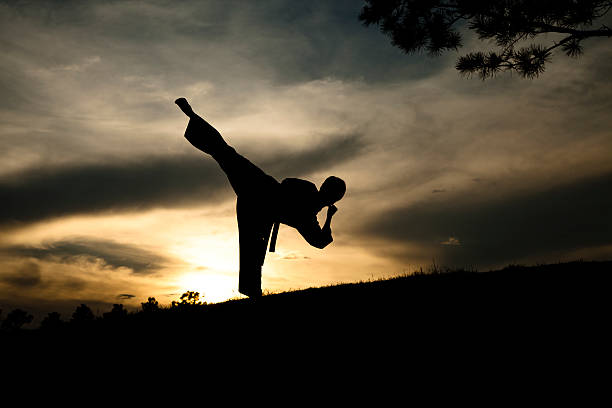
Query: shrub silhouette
x=188, y=299
x=117, y=313
x=150, y=306
x=51, y=322
x=15, y=319
x=82, y=315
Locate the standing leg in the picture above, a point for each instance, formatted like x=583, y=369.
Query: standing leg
x=254, y=231
x=255, y=191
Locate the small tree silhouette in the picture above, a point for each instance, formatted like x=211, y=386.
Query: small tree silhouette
x=117, y=313
x=82, y=315
x=15, y=319
x=189, y=298
x=51, y=322
x=150, y=306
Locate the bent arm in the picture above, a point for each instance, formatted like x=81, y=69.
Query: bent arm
x=316, y=236
x=319, y=238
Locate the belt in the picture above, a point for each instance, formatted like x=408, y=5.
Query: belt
x=274, y=236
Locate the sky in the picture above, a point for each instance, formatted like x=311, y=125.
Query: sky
x=104, y=201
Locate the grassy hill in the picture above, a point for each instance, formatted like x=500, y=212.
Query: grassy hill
x=545, y=316
x=507, y=332
x=516, y=299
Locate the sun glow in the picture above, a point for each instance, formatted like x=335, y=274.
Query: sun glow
x=212, y=286
x=211, y=267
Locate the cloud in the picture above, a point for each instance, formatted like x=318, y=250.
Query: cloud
x=451, y=241
x=27, y=276
x=125, y=296
x=534, y=225
x=285, y=41
x=231, y=41
x=175, y=181
x=43, y=193
x=110, y=253
x=294, y=256
x=80, y=66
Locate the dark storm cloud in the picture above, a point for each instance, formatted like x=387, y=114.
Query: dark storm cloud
x=283, y=41
x=112, y=253
x=317, y=39
x=27, y=276
x=337, y=150
x=497, y=231
x=43, y=193
x=158, y=182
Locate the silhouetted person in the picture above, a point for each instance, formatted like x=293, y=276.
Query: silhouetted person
x=262, y=202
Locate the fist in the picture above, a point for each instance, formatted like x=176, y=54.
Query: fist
x=331, y=210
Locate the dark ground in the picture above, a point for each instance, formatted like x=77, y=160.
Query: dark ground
x=544, y=316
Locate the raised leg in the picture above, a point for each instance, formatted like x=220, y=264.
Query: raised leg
x=256, y=192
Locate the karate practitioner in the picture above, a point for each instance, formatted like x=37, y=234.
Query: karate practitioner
x=262, y=202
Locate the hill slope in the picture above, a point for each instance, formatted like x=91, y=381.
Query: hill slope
x=549, y=300
x=541, y=312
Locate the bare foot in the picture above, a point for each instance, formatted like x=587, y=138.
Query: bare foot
x=184, y=105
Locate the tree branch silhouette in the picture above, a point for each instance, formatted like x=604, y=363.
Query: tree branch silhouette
x=434, y=26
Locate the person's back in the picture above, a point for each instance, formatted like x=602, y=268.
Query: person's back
x=297, y=202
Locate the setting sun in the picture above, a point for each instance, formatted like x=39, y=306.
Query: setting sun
x=213, y=287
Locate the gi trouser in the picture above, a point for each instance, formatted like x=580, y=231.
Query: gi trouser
x=255, y=191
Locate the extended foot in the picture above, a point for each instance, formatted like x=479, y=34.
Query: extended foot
x=184, y=105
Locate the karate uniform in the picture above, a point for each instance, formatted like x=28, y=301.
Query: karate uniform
x=262, y=202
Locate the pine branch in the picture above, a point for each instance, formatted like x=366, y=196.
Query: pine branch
x=416, y=25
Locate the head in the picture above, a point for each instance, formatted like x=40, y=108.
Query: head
x=332, y=190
